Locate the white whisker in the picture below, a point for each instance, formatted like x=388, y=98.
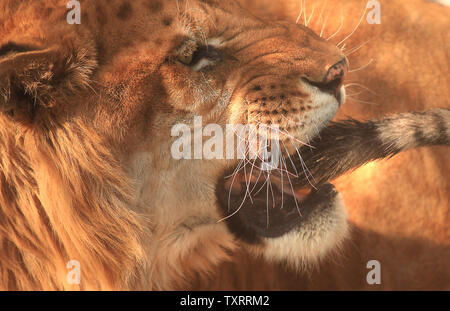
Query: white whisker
x=324, y=24
x=282, y=189
x=301, y=12
x=357, y=48
x=305, y=169
x=321, y=11
x=361, y=86
x=353, y=94
x=267, y=201
x=304, y=10
x=292, y=162
x=285, y=133
x=362, y=101
x=229, y=193
x=354, y=30
x=309, y=19
x=261, y=186
x=295, y=198
x=340, y=27
x=362, y=67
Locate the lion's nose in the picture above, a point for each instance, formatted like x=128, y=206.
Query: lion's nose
x=335, y=75
x=333, y=79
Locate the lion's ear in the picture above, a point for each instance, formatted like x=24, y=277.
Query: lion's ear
x=34, y=81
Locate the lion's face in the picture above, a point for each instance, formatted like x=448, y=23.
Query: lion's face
x=133, y=70
x=229, y=67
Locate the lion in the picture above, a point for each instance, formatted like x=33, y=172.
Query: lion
x=87, y=112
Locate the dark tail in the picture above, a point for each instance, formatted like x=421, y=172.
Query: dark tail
x=346, y=145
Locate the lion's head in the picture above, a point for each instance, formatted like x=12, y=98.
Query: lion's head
x=86, y=140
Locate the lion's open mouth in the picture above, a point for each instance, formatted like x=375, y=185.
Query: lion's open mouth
x=258, y=204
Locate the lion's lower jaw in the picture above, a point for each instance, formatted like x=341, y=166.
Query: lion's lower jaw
x=303, y=248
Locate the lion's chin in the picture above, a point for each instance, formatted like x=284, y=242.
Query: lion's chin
x=323, y=233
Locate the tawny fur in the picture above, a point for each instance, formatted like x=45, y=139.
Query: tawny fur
x=77, y=180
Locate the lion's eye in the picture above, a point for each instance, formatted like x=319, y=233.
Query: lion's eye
x=198, y=56
x=205, y=56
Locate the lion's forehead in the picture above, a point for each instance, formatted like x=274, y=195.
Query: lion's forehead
x=153, y=26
